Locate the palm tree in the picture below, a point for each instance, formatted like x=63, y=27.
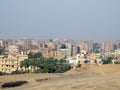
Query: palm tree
x=33, y=64
x=21, y=65
x=25, y=64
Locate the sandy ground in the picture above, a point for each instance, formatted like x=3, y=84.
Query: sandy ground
x=105, y=77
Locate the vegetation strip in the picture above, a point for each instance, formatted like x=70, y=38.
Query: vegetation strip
x=13, y=84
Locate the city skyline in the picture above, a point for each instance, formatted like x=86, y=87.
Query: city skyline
x=77, y=20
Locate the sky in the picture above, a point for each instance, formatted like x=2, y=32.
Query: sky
x=67, y=19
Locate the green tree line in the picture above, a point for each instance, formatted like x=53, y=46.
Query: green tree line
x=38, y=64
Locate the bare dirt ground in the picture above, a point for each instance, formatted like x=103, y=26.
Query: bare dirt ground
x=104, y=77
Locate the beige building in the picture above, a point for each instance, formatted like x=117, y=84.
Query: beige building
x=84, y=58
x=11, y=62
x=58, y=54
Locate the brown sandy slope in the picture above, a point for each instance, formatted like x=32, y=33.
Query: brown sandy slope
x=104, y=77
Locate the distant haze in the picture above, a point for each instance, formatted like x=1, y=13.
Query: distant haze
x=70, y=19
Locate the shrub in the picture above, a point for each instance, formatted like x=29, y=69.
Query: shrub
x=17, y=72
x=1, y=73
x=78, y=65
x=13, y=84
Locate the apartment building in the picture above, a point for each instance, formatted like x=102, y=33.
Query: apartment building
x=85, y=58
x=11, y=62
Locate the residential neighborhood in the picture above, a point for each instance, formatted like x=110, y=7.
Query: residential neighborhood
x=12, y=52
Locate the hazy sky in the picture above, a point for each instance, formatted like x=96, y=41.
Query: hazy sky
x=71, y=19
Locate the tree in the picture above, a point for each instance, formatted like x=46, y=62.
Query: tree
x=32, y=64
x=25, y=64
x=34, y=55
x=37, y=55
x=30, y=55
x=48, y=65
x=108, y=60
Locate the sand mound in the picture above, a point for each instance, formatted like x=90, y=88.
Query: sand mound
x=72, y=71
x=76, y=71
x=108, y=68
